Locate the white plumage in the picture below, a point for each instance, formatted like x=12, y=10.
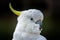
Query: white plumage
x=28, y=25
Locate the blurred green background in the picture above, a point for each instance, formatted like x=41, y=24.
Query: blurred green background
x=50, y=9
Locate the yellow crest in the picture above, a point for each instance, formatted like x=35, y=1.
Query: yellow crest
x=14, y=11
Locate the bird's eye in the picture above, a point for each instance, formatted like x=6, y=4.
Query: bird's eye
x=31, y=18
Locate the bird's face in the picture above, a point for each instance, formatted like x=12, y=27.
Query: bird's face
x=32, y=16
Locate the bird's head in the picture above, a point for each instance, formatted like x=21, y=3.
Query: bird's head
x=32, y=15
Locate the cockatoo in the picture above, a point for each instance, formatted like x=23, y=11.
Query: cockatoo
x=29, y=25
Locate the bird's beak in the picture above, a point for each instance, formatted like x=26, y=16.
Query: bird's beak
x=14, y=11
x=40, y=23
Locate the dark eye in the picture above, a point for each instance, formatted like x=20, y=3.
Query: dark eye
x=31, y=18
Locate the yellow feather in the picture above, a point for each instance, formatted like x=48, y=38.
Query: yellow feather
x=14, y=11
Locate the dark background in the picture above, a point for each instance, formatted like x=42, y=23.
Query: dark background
x=50, y=9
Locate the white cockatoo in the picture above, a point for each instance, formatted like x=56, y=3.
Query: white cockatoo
x=29, y=25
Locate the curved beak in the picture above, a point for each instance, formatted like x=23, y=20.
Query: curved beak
x=14, y=11
x=40, y=23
